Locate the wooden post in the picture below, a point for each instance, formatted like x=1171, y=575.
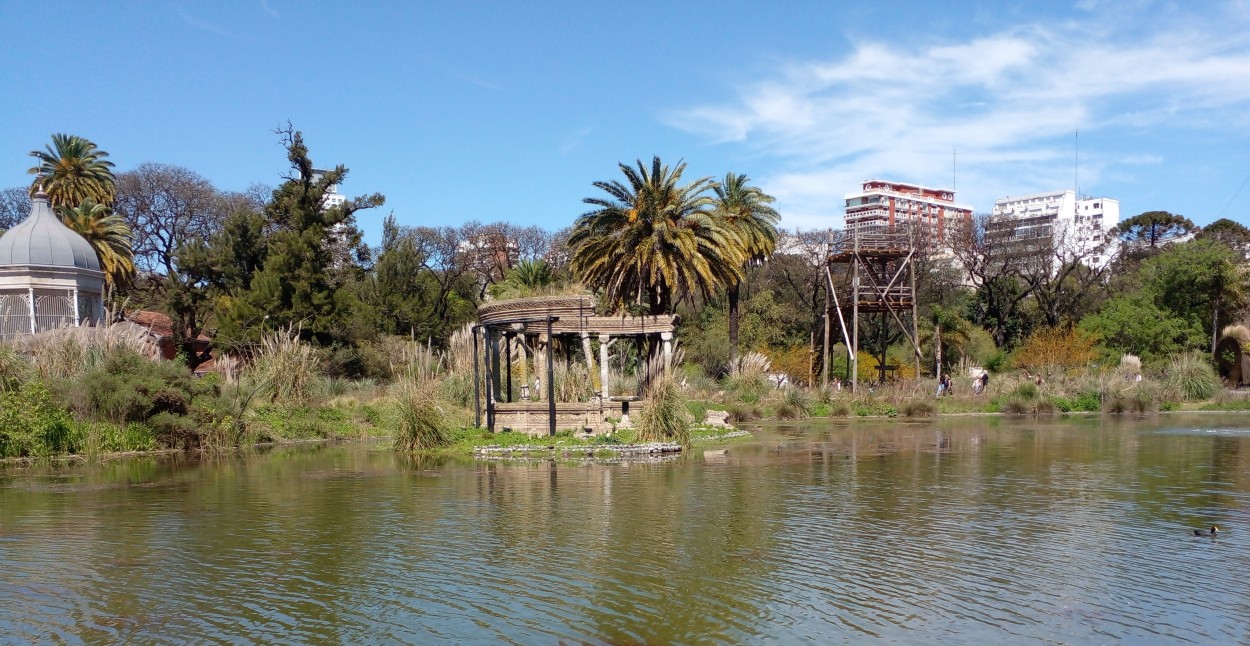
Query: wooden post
x=854, y=349
x=915, y=316
x=477, y=376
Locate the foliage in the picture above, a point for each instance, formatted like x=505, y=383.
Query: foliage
x=1150, y=230
x=108, y=234
x=284, y=367
x=795, y=404
x=423, y=424
x=33, y=424
x=1134, y=324
x=301, y=279
x=664, y=417
x=747, y=211
x=1052, y=350
x=70, y=170
x=653, y=241
x=1192, y=377
x=919, y=408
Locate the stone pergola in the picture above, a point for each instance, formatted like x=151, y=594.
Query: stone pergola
x=532, y=324
x=50, y=276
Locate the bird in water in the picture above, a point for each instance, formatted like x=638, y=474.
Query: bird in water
x=1207, y=532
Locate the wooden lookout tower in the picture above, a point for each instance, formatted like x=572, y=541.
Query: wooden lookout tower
x=871, y=283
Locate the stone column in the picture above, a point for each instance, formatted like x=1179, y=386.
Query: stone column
x=540, y=372
x=590, y=358
x=30, y=294
x=667, y=338
x=77, y=319
x=604, y=342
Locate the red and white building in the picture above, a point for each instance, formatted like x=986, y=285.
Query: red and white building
x=883, y=204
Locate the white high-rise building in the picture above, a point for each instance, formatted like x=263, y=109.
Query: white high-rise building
x=1077, y=227
x=332, y=197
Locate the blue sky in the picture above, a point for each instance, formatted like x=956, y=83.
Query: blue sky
x=509, y=110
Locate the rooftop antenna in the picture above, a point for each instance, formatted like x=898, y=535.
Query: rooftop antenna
x=1076, y=163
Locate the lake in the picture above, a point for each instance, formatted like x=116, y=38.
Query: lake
x=964, y=529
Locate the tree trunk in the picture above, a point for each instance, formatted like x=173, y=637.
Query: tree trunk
x=1215, y=323
x=937, y=350
x=733, y=318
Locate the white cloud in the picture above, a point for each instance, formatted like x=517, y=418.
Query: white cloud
x=1008, y=102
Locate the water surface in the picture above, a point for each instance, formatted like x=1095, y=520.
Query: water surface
x=960, y=530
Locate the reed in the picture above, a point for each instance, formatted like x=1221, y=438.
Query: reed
x=285, y=368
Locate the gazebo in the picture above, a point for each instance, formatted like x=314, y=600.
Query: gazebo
x=533, y=325
x=50, y=276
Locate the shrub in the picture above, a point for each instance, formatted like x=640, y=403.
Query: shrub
x=795, y=404
x=423, y=425
x=743, y=412
x=1045, y=407
x=33, y=424
x=14, y=369
x=1026, y=390
x=1056, y=349
x=128, y=387
x=664, y=416
x=919, y=408
x=1016, y=406
x=839, y=409
x=1191, y=377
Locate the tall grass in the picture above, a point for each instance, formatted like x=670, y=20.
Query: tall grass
x=795, y=404
x=423, y=423
x=14, y=369
x=573, y=382
x=1191, y=377
x=70, y=352
x=664, y=417
x=285, y=368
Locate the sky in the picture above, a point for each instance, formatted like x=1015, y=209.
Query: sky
x=509, y=111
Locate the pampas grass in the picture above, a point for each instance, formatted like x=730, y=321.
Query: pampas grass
x=1191, y=377
x=70, y=352
x=423, y=424
x=664, y=417
x=285, y=368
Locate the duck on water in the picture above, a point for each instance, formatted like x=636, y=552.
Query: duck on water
x=1207, y=532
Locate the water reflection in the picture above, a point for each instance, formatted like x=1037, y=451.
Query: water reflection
x=959, y=530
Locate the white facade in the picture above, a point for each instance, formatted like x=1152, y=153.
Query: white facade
x=1080, y=226
x=332, y=197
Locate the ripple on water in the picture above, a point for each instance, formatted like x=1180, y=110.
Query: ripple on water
x=863, y=535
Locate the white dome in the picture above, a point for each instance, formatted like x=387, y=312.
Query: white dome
x=43, y=240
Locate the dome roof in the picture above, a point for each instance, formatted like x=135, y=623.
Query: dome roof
x=42, y=240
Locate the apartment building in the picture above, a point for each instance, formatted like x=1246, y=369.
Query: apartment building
x=884, y=204
x=1039, y=222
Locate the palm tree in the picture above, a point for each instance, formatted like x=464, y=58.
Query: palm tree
x=944, y=325
x=71, y=170
x=108, y=234
x=653, y=240
x=528, y=278
x=745, y=209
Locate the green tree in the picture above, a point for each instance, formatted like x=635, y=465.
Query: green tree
x=944, y=328
x=108, y=234
x=1233, y=234
x=1200, y=281
x=654, y=241
x=71, y=170
x=746, y=210
x=1146, y=232
x=303, y=281
x=1134, y=324
x=527, y=278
